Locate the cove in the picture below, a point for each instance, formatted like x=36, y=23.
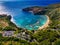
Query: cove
x=29, y=21
x=25, y=20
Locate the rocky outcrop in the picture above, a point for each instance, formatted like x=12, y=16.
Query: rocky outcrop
x=5, y=15
x=35, y=10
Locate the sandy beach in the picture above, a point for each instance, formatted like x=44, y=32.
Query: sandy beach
x=45, y=25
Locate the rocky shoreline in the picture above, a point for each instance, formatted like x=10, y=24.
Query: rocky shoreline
x=36, y=10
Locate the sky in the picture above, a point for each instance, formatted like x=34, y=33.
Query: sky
x=30, y=0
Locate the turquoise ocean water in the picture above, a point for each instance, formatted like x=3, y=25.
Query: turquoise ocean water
x=23, y=19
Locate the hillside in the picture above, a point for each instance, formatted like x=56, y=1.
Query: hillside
x=46, y=36
x=6, y=24
x=54, y=15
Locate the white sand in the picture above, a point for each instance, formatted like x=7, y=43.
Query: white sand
x=46, y=24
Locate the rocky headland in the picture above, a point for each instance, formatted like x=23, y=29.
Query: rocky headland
x=36, y=10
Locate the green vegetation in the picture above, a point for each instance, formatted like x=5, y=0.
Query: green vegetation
x=47, y=36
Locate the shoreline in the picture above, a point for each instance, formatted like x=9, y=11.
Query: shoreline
x=42, y=27
x=45, y=25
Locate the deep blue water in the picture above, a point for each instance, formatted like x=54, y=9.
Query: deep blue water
x=23, y=19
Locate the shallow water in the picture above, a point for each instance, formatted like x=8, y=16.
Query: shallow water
x=23, y=19
x=30, y=21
